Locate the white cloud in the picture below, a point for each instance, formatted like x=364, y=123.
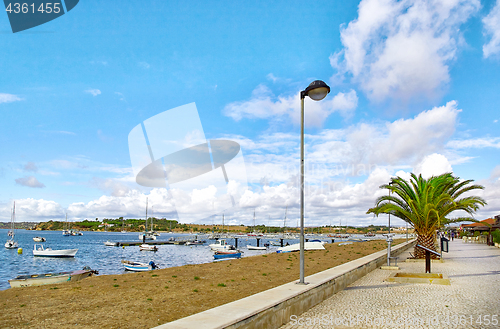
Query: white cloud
x=264, y=105
x=392, y=143
x=492, y=29
x=112, y=186
x=93, y=92
x=29, y=181
x=9, y=98
x=433, y=165
x=474, y=143
x=402, y=49
x=30, y=210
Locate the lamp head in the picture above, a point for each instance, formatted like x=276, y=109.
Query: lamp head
x=317, y=90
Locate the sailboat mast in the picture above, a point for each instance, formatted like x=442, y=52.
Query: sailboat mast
x=254, y=220
x=222, y=223
x=146, y=224
x=12, y=225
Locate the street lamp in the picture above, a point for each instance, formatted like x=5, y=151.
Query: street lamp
x=317, y=90
x=389, y=235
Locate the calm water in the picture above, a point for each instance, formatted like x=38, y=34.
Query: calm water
x=107, y=260
x=92, y=252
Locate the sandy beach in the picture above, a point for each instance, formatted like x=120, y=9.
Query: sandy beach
x=144, y=300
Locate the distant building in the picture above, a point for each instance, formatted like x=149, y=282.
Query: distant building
x=483, y=226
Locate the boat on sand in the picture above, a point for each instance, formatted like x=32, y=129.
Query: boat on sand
x=51, y=278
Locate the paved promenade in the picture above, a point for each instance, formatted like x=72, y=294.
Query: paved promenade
x=471, y=301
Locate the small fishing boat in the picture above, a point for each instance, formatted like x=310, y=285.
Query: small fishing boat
x=111, y=244
x=296, y=247
x=39, y=239
x=40, y=251
x=139, y=267
x=11, y=242
x=221, y=245
x=50, y=278
x=370, y=234
x=148, y=247
x=195, y=243
x=219, y=255
x=256, y=248
x=227, y=252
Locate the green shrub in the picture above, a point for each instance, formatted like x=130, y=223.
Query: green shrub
x=496, y=235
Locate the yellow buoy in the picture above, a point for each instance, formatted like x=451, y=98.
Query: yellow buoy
x=19, y=250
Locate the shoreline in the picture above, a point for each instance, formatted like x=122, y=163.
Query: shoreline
x=147, y=299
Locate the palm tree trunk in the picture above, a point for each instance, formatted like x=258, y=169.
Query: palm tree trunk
x=428, y=241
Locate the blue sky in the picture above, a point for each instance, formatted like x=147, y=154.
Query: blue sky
x=414, y=87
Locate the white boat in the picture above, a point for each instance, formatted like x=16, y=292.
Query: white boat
x=221, y=245
x=39, y=239
x=195, y=243
x=40, y=251
x=139, y=267
x=50, y=278
x=148, y=247
x=111, y=244
x=256, y=248
x=307, y=246
x=11, y=242
x=146, y=236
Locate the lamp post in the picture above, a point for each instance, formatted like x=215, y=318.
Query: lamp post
x=317, y=90
x=389, y=235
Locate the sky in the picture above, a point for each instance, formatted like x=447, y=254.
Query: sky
x=414, y=88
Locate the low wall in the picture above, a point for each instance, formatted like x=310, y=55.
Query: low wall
x=274, y=307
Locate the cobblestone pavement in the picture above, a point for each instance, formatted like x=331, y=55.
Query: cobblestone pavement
x=471, y=301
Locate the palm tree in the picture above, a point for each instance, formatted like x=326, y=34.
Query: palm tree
x=426, y=204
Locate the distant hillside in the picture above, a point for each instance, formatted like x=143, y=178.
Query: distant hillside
x=21, y=225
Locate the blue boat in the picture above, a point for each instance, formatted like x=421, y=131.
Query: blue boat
x=225, y=256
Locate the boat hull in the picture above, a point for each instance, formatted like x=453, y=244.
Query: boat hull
x=63, y=253
x=49, y=278
x=11, y=244
x=296, y=247
x=256, y=248
x=147, y=247
x=225, y=256
x=138, y=267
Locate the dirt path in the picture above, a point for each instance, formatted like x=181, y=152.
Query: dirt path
x=145, y=300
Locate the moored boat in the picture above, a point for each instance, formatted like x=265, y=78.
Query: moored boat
x=40, y=251
x=256, y=248
x=111, y=244
x=148, y=247
x=11, y=242
x=139, y=267
x=39, y=239
x=195, y=243
x=50, y=278
x=219, y=255
x=221, y=245
x=296, y=247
